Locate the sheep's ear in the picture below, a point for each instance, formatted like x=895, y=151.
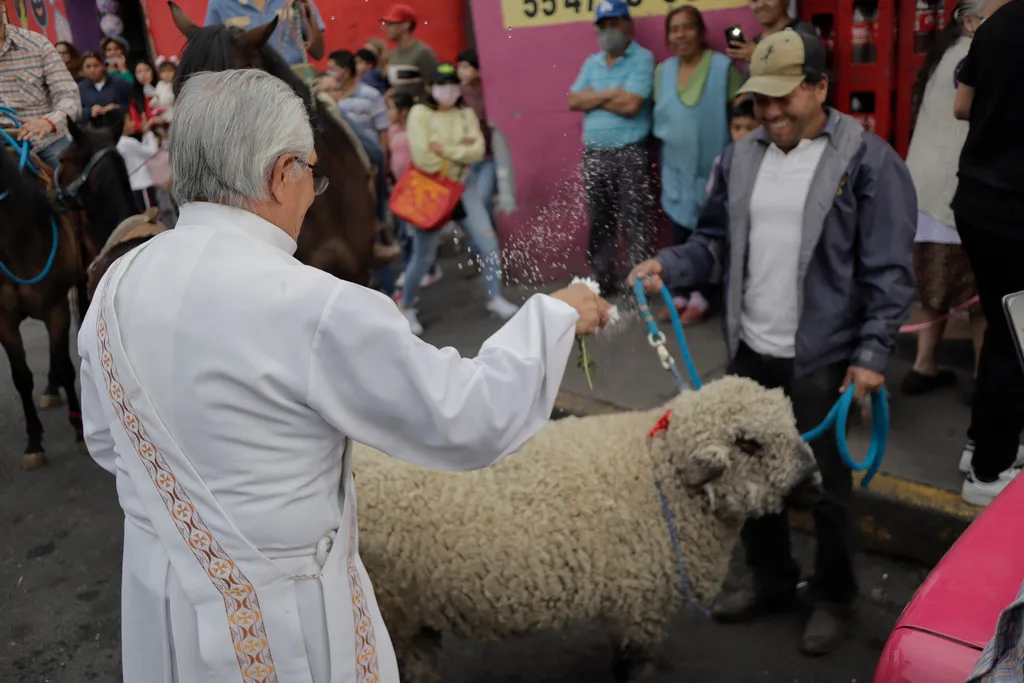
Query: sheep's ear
x=704, y=467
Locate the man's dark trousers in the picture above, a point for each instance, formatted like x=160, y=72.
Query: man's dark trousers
x=766, y=539
x=997, y=413
x=618, y=186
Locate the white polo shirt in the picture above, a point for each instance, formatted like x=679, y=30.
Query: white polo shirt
x=770, y=314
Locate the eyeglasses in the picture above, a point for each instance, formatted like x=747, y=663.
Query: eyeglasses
x=320, y=180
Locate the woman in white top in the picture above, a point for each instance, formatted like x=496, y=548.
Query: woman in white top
x=943, y=273
x=136, y=153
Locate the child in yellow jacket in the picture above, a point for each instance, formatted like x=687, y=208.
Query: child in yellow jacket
x=445, y=137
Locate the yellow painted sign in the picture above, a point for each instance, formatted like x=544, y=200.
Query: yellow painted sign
x=529, y=13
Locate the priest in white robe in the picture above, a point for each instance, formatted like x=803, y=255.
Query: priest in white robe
x=223, y=381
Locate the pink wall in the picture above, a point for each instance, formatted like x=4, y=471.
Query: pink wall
x=527, y=73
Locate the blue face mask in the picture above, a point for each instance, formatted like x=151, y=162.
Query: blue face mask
x=612, y=40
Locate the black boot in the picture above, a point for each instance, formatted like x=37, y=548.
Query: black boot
x=746, y=604
x=826, y=630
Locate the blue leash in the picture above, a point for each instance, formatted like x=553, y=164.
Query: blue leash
x=836, y=419
x=25, y=161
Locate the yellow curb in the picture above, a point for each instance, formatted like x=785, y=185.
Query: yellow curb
x=920, y=495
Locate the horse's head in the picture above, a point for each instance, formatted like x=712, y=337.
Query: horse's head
x=347, y=212
x=78, y=174
x=216, y=48
x=92, y=177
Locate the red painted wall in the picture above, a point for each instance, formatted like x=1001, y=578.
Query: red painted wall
x=349, y=23
x=41, y=16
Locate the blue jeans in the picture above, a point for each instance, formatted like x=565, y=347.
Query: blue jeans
x=482, y=238
x=484, y=178
x=51, y=153
x=405, y=233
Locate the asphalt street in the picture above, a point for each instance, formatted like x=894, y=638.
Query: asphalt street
x=60, y=553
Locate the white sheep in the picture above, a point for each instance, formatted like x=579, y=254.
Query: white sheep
x=570, y=529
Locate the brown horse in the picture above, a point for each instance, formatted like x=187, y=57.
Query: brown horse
x=92, y=179
x=42, y=252
x=340, y=228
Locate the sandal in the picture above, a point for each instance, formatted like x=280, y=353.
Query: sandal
x=695, y=309
x=917, y=383
x=679, y=302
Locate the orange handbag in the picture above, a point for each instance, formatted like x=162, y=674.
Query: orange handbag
x=425, y=200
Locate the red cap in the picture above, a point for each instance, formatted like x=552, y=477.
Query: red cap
x=400, y=13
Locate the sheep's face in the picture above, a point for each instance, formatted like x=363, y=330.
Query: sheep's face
x=737, y=443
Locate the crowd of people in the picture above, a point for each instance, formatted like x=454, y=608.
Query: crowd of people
x=410, y=110
x=819, y=237
x=814, y=235
x=94, y=89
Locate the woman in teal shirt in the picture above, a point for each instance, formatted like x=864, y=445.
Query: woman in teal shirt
x=692, y=91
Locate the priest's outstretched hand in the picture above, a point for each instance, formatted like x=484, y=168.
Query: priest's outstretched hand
x=594, y=311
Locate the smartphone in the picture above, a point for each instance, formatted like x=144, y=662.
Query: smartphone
x=734, y=34
x=1013, y=305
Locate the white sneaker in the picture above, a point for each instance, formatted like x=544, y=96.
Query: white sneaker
x=968, y=455
x=400, y=282
x=502, y=307
x=981, y=493
x=414, y=322
x=431, y=278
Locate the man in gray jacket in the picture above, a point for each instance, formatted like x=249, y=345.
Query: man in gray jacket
x=812, y=222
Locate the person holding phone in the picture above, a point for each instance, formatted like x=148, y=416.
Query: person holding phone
x=773, y=16
x=115, y=59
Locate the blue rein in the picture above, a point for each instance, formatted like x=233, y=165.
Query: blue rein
x=23, y=148
x=836, y=419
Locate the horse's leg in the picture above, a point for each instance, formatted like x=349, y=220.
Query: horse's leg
x=62, y=370
x=51, y=394
x=10, y=338
x=82, y=291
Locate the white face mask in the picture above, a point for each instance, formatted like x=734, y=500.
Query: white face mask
x=446, y=95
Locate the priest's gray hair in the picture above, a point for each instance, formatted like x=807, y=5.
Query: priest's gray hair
x=229, y=129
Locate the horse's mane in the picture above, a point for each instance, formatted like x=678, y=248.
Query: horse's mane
x=23, y=190
x=115, y=170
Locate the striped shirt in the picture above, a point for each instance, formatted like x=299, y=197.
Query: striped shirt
x=1002, y=660
x=634, y=73
x=35, y=83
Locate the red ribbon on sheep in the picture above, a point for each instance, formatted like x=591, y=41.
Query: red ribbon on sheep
x=661, y=425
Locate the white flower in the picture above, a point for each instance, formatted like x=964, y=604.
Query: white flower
x=589, y=282
x=614, y=317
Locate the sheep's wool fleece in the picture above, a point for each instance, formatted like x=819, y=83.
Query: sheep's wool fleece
x=569, y=528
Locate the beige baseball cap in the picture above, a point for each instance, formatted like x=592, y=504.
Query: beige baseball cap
x=780, y=62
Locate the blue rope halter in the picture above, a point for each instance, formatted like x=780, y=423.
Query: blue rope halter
x=23, y=148
x=836, y=419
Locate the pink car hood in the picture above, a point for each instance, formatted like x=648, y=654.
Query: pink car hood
x=980, y=576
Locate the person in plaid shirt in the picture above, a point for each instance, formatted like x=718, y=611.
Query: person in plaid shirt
x=36, y=84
